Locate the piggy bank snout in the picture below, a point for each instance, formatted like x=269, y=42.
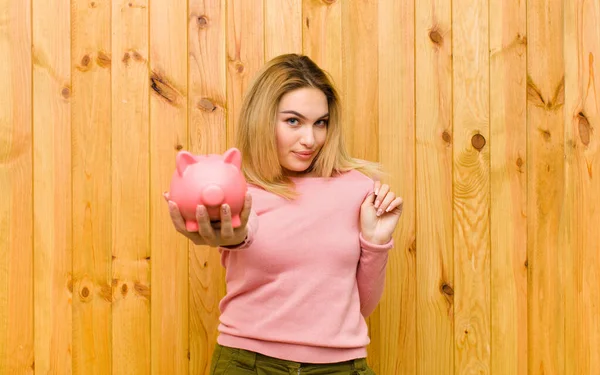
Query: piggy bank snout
x=213, y=195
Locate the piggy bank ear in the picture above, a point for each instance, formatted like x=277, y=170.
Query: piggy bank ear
x=183, y=160
x=233, y=156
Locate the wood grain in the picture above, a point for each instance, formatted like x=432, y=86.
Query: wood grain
x=581, y=211
x=16, y=185
x=283, y=27
x=471, y=193
x=92, y=216
x=169, y=322
x=53, y=251
x=545, y=186
x=508, y=179
x=130, y=187
x=433, y=145
x=359, y=84
x=208, y=135
x=397, y=340
x=245, y=55
x=322, y=36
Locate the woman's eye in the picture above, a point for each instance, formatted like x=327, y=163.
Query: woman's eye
x=321, y=123
x=292, y=121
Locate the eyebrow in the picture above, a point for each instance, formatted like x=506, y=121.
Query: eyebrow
x=301, y=116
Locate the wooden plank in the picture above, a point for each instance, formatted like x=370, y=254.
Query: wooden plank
x=508, y=148
x=283, y=27
x=245, y=55
x=434, y=133
x=52, y=186
x=169, y=341
x=92, y=221
x=208, y=134
x=130, y=187
x=16, y=220
x=360, y=93
x=581, y=212
x=397, y=315
x=545, y=185
x=471, y=194
x=322, y=36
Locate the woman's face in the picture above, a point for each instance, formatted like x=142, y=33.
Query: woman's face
x=301, y=128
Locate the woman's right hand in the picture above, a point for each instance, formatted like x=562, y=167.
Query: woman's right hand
x=213, y=234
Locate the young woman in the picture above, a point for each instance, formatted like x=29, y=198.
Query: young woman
x=308, y=263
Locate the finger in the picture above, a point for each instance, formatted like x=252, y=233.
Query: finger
x=166, y=196
x=245, y=214
x=376, y=187
x=204, y=227
x=396, y=206
x=226, y=228
x=382, y=193
x=387, y=200
x=369, y=199
x=176, y=217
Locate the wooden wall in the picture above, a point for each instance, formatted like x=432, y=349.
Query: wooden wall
x=485, y=112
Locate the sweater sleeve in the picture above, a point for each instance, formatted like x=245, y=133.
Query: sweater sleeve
x=370, y=275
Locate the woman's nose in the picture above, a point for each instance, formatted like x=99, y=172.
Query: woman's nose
x=308, y=138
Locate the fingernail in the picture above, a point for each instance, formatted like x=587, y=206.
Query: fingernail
x=376, y=191
x=379, y=212
x=225, y=209
x=389, y=209
x=377, y=204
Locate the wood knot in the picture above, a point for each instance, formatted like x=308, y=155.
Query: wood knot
x=329, y=2
x=85, y=292
x=478, y=141
x=126, y=58
x=446, y=137
x=85, y=61
x=307, y=23
x=92, y=4
x=124, y=290
x=447, y=289
x=142, y=290
x=137, y=56
x=130, y=5
x=66, y=92
x=436, y=37
x=519, y=162
x=70, y=284
x=526, y=263
x=239, y=67
x=206, y=105
x=202, y=22
x=546, y=134
x=103, y=60
x=178, y=147
x=161, y=86
x=584, y=129
x=412, y=249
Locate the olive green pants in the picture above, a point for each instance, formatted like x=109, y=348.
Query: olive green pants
x=230, y=361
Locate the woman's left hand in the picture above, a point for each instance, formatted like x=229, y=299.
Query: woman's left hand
x=379, y=214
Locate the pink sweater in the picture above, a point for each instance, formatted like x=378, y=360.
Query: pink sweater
x=300, y=286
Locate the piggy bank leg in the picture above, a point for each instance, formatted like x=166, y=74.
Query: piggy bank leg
x=191, y=226
x=236, y=221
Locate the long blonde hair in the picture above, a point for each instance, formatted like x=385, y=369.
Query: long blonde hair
x=256, y=128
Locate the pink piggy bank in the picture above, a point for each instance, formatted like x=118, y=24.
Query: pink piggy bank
x=209, y=180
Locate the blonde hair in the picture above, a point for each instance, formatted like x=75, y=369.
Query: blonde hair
x=256, y=128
